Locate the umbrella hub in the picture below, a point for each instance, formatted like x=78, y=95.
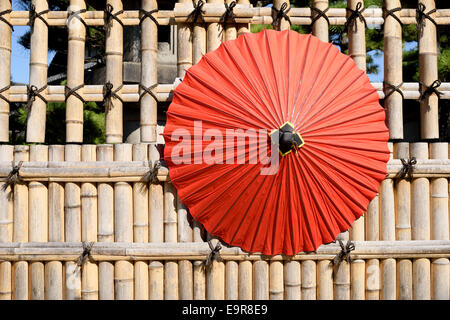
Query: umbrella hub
x=286, y=138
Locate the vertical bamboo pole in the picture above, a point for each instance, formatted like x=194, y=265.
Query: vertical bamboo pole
x=38, y=221
x=403, y=201
x=308, y=280
x=439, y=196
x=170, y=235
x=5, y=75
x=373, y=279
x=214, y=32
x=357, y=40
x=277, y=5
x=292, y=280
x=230, y=30
x=123, y=226
x=231, y=281
x=184, y=46
x=357, y=278
x=38, y=74
x=373, y=220
x=428, y=52
x=215, y=281
x=440, y=274
x=56, y=199
x=245, y=280
x=114, y=62
x=20, y=232
x=89, y=206
x=53, y=280
x=156, y=218
x=198, y=42
x=387, y=210
x=404, y=276
x=75, y=73
x=276, y=288
x=324, y=280
x=388, y=278
x=6, y=226
x=72, y=230
x=393, y=50
x=171, y=280
x=140, y=232
x=185, y=266
x=421, y=279
x=149, y=73
x=105, y=225
x=320, y=27
x=243, y=27
x=420, y=197
x=260, y=280
x=342, y=282
x=199, y=280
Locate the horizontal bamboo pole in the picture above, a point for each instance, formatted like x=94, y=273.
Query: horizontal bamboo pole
x=255, y=15
x=113, y=251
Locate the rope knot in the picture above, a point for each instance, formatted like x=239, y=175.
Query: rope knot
x=393, y=89
x=391, y=12
x=344, y=253
x=32, y=93
x=3, y=90
x=213, y=255
x=33, y=15
x=148, y=14
x=430, y=90
x=6, y=21
x=228, y=14
x=109, y=94
x=13, y=177
x=109, y=16
x=197, y=12
x=152, y=175
x=86, y=255
x=407, y=169
x=319, y=14
x=355, y=14
x=421, y=15
x=280, y=14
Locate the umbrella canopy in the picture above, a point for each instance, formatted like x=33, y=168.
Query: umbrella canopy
x=276, y=142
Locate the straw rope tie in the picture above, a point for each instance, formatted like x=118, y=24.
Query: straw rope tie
x=393, y=89
x=148, y=90
x=355, y=14
x=344, y=253
x=320, y=14
x=152, y=175
x=430, y=90
x=109, y=94
x=76, y=14
x=4, y=20
x=213, y=255
x=73, y=92
x=32, y=93
x=228, y=14
x=280, y=14
x=421, y=15
x=37, y=15
x=391, y=13
x=407, y=169
x=148, y=14
x=109, y=16
x=197, y=12
x=13, y=177
x=86, y=255
x=3, y=90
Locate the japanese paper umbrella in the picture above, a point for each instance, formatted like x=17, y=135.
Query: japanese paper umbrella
x=331, y=147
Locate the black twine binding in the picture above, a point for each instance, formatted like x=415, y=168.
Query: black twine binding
x=109, y=16
x=355, y=14
x=344, y=253
x=421, y=15
x=109, y=94
x=73, y=91
x=13, y=177
x=36, y=15
x=320, y=14
x=3, y=90
x=148, y=14
x=280, y=14
x=32, y=93
x=152, y=175
x=429, y=90
x=391, y=13
x=86, y=255
x=6, y=21
x=407, y=169
x=76, y=14
x=197, y=12
x=393, y=89
x=213, y=255
x=148, y=90
x=228, y=14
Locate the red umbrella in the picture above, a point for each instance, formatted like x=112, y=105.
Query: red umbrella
x=297, y=94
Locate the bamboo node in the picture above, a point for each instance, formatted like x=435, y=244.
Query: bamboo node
x=32, y=93
x=407, y=169
x=148, y=14
x=213, y=255
x=6, y=21
x=319, y=15
x=197, y=12
x=280, y=14
x=36, y=15
x=109, y=94
x=429, y=90
x=228, y=14
x=85, y=255
x=421, y=15
x=3, y=90
x=13, y=177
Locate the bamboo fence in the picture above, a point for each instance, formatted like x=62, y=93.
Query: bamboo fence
x=84, y=223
